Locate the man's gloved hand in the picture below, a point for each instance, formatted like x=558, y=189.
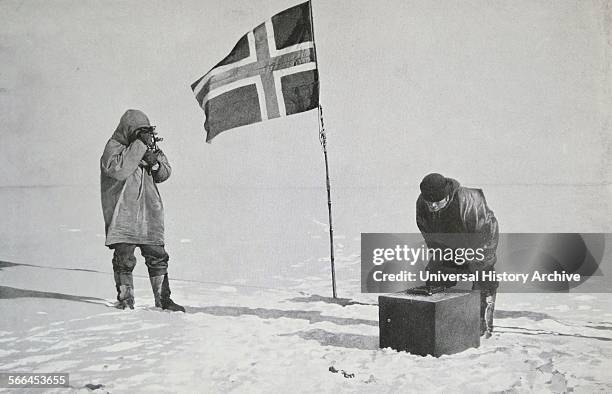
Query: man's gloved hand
x=147, y=137
x=150, y=157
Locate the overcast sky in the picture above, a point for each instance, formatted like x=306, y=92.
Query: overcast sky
x=491, y=92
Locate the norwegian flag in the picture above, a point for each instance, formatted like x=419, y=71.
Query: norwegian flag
x=270, y=73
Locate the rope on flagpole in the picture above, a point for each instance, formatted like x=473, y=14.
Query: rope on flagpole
x=323, y=140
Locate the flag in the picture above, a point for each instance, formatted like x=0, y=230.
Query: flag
x=270, y=73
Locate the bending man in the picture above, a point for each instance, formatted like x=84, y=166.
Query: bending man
x=450, y=215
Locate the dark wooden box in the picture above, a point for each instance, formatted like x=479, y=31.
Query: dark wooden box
x=443, y=323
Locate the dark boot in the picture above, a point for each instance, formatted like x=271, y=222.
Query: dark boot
x=161, y=293
x=124, y=284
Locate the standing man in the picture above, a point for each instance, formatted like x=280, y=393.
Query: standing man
x=131, y=166
x=450, y=215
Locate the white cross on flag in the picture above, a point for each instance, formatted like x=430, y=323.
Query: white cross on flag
x=271, y=72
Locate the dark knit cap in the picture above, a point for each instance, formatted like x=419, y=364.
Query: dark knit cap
x=435, y=187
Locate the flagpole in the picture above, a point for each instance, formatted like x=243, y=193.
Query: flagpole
x=323, y=140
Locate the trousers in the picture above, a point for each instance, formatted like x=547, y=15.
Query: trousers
x=155, y=257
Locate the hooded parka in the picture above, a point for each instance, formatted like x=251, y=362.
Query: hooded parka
x=131, y=203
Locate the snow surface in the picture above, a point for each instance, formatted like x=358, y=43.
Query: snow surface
x=268, y=340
